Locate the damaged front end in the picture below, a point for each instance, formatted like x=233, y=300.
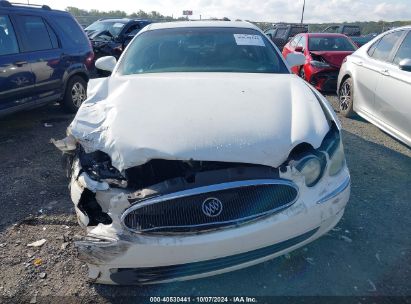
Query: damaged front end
x=324, y=75
x=169, y=220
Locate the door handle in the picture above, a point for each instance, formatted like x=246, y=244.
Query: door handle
x=385, y=72
x=360, y=63
x=20, y=63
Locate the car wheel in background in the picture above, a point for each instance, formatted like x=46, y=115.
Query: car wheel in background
x=345, y=98
x=76, y=93
x=302, y=73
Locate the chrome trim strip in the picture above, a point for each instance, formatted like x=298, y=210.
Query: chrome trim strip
x=211, y=188
x=346, y=183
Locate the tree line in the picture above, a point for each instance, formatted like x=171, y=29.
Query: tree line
x=86, y=17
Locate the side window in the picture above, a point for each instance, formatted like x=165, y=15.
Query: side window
x=302, y=43
x=371, y=50
x=384, y=48
x=404, y=52
x=34, y=31
x=294, y=42
x=73, y=34
x=133, y=29
x=8, y=42
x=53, y=37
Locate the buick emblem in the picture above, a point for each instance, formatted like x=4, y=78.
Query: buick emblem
x=212, y=207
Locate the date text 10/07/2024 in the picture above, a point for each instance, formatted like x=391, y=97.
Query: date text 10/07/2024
x=203, y=300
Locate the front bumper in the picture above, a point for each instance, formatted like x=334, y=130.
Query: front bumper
x=324, y=80
x=117, y=256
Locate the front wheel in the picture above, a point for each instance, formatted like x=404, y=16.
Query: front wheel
x=76, y=93
x=346, y=100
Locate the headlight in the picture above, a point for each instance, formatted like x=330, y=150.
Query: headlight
x=319, y=64
x=337, y=161
x=311, y=168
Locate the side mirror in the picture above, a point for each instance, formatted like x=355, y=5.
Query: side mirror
x=299, y=49
x=295, y=59
x=106, y=63
x=405, y=65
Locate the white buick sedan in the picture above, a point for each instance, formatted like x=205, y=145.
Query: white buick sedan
x=375, y=82
x=201, y=154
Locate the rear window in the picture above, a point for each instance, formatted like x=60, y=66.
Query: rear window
x=352, y=31
x=73, y=34
x=330, y=44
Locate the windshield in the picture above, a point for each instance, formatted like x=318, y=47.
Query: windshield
x=114, y=28
x=330, y=44
x=201, y=50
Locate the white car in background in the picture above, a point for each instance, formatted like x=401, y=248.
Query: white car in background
x=375, y=82
x=201, y=154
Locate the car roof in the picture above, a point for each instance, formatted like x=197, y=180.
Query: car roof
x=325, y=35
x=406, y=27
x=217, y=23
x=29, y=8
x=122, y=20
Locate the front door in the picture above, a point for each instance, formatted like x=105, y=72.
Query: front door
x=44, y=53
x=393, y=93
x=16, y=77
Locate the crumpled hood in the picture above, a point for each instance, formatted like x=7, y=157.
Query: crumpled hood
x=335, y=58
x=227, y=117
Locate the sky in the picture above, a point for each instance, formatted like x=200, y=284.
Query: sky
x=316, y=11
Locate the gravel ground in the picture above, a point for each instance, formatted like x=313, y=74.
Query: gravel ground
x=367, y=254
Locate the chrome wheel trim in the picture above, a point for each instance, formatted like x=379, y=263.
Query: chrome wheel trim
x=78, y=94
x=345, y=96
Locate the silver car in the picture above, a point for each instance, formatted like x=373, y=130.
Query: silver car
x=375, y=82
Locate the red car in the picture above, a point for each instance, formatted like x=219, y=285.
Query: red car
x=324, y=55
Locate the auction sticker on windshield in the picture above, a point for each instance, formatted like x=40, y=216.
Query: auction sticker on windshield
x=245, y=39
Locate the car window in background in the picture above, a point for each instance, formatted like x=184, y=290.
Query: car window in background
x=73, y=33
x=352, y=31
x=8, y=42
x=385, y=46
x=133, y=30
x=201, y=50
x=404, y=52
x=114, y=28
x=294, y=41
x=36, y=35
x=281, y=33
x=330, y=44
x=53, y=37
x=302, y=42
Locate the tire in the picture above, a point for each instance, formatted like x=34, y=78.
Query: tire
x=76, y=93
x=301, y=73
x=346, y=98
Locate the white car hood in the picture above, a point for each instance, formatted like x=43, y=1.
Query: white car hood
x=227, y=117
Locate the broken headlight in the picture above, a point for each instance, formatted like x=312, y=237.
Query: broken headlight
x=319, y=64
x=332, y=145
x=311, y=167
x=312, y=163
x=337, y=160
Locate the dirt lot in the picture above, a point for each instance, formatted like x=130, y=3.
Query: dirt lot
x=368, y=254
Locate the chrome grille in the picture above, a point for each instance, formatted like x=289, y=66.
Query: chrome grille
x=210, y=207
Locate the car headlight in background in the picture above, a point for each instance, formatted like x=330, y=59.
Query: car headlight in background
x=319, y=64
